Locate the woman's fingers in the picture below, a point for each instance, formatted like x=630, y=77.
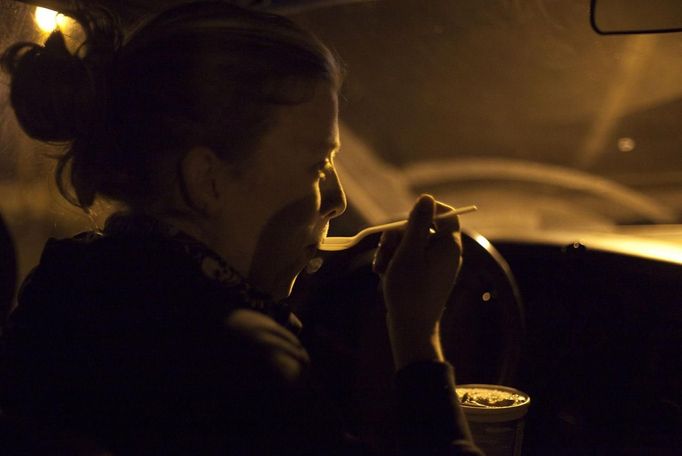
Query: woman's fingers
x=442, y=208
x=417, y=235
x=387, y=246
x=448, y=224
x=421, y=218
x=419, y=279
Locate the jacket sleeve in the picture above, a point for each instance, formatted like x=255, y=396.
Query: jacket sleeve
x=292, y=417
x=430, y=419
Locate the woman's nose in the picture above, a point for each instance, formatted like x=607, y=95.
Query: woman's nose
x=333, y=197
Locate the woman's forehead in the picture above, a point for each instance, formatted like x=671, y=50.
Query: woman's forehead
x=313, y=123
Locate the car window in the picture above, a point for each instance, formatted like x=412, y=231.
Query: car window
x=519, y=107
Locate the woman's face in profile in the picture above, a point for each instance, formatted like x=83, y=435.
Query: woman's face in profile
x=285, y=196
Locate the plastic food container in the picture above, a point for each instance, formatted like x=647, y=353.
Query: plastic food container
x=496, y=417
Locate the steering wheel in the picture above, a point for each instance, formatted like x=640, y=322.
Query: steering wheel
x=344, y=328
x=484, y=323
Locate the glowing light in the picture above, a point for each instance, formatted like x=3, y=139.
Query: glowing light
x=626, y=144
x=483, y=242
x=48, y=20
x=487, y=296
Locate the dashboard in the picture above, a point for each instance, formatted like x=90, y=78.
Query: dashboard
x=592, y=335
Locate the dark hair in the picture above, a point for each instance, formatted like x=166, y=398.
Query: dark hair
x=204, y=73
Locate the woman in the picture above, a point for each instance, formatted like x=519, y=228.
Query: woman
x=216, y=128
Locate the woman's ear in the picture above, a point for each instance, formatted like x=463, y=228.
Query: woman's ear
x=201, y=172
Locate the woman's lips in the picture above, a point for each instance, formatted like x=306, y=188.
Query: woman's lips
x=319, y=239
x=317, y=243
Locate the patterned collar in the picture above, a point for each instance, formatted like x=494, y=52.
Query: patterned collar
x=211, y=264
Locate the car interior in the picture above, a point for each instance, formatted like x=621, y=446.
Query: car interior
x=568, y=142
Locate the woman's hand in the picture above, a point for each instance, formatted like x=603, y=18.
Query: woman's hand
x=418, y=269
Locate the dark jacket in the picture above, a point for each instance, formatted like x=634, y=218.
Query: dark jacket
x=144, y=340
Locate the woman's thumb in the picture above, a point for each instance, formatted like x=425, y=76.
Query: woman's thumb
x=419, y=223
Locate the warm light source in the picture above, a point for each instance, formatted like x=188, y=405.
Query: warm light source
x=626, y=144
x=48, y=20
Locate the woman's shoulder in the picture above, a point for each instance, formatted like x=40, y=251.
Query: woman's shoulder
x=91, y=258
x=94, y=282
x=102, y=283
x=131, y=300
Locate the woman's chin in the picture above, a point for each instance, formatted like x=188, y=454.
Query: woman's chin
x=279, y=285
x=285, y=290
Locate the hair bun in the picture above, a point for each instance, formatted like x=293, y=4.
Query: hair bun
x=51, y=90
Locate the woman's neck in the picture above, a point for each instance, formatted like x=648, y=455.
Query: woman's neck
x=204, y=232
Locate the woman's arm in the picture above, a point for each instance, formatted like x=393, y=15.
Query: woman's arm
x=418, y=269
x=274, y=398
